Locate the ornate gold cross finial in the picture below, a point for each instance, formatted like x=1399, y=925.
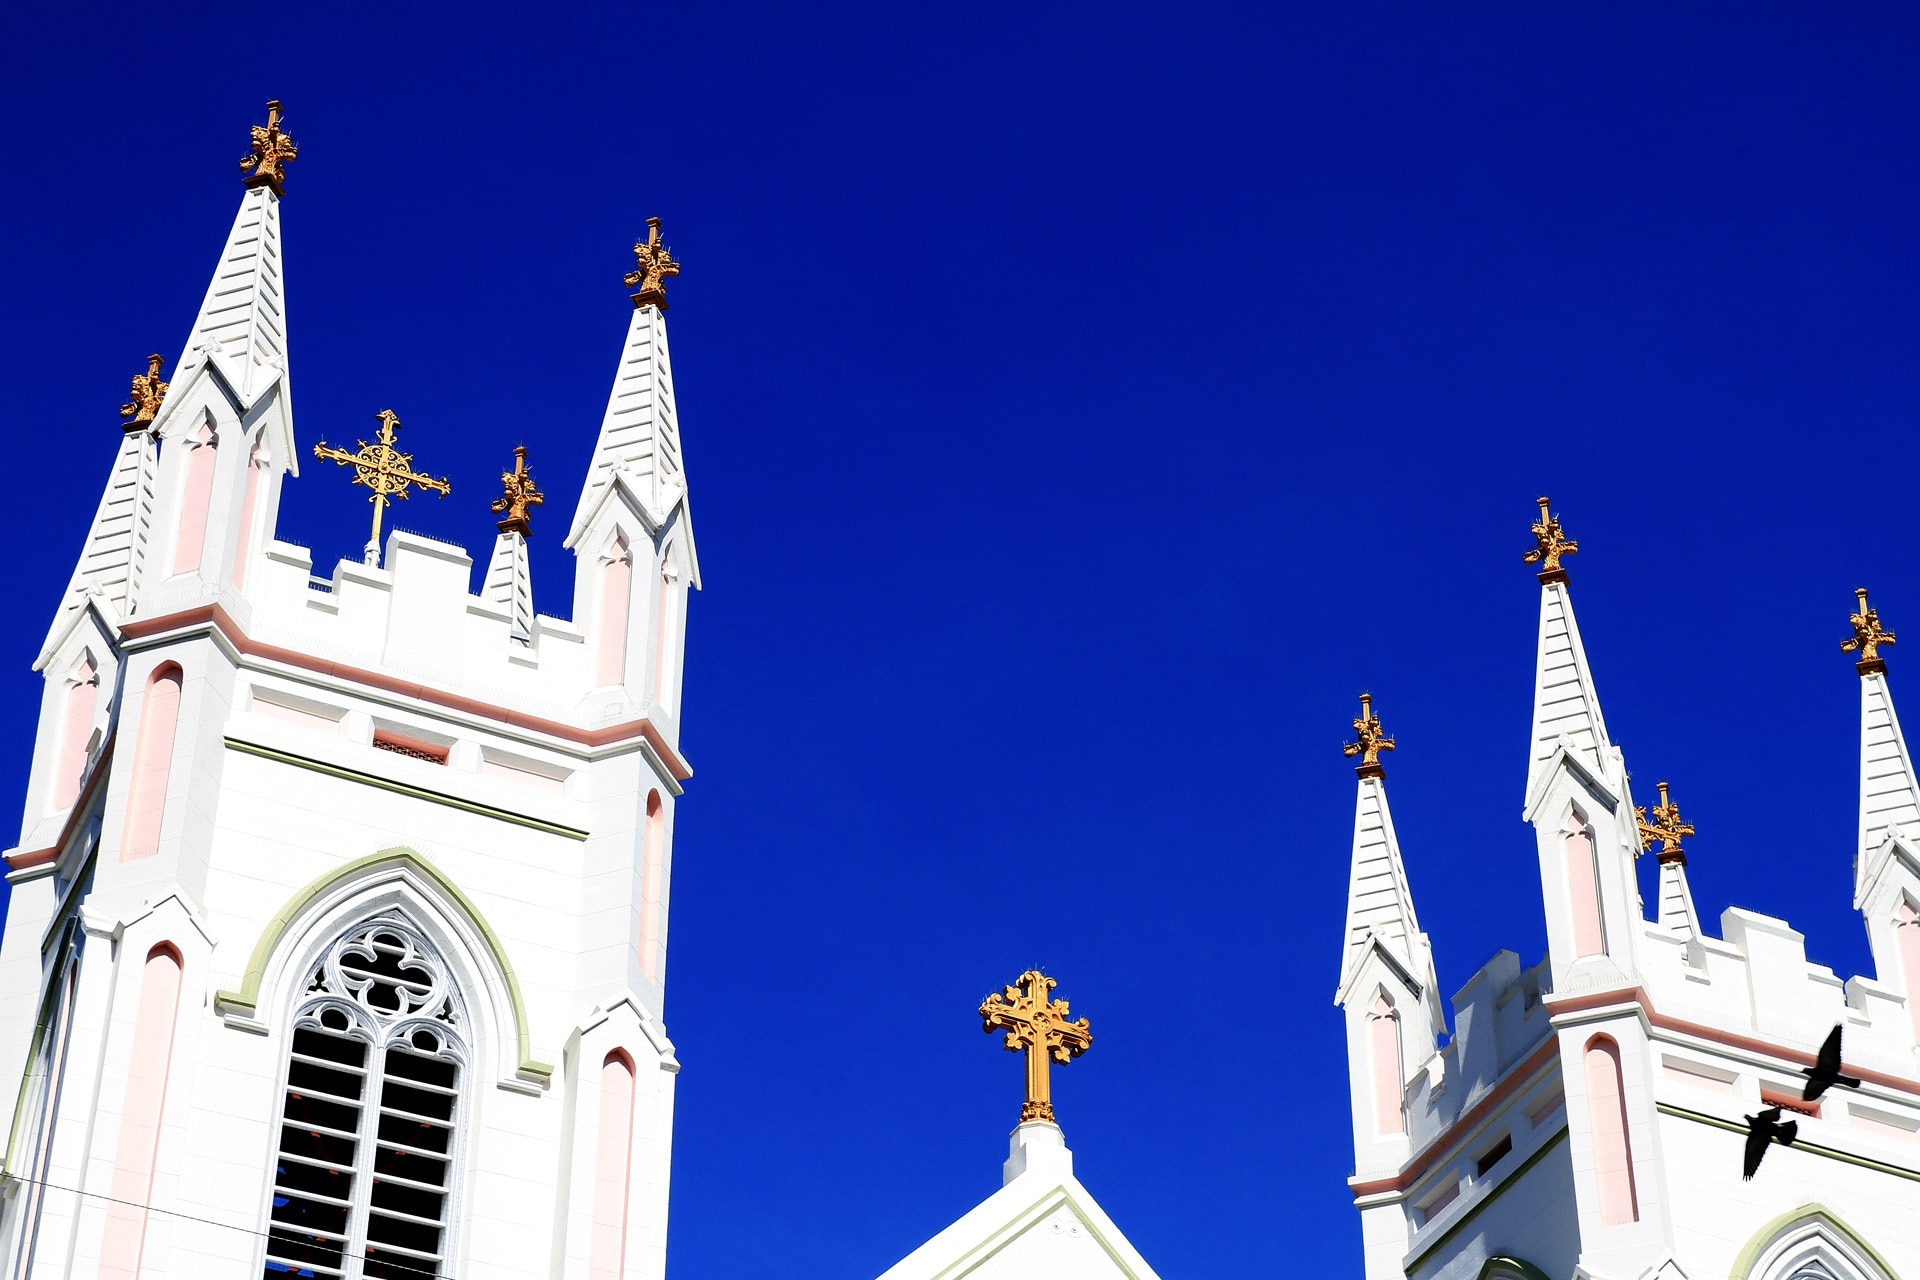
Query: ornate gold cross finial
x=148, y=391
x=519, y=495
x=383, y=469
x=1868, y=636
x=1373, y=740
x=653, y=263
x=1666, y=827
x=1552, y=544
x=272, y=152
x=1038, y=1027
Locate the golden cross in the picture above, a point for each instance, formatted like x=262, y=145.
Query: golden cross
x=1666, y=827
x=383, y=469
x=653, y=264
x=272, y=152
x=1868, y=636
x=1552, y=544
x=148, y=392
x=520, y=494
x=1373, y=740
x=1040, y=1028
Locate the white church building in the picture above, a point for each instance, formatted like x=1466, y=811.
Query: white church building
x=338, y=932
x=1588, y=1115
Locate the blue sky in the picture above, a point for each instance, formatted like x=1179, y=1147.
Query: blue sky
x=1081, y=406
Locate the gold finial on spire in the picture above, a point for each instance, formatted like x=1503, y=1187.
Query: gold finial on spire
x=653, y=263
x=383, y=469
x=148, y=391
x=1552, y=544
x=519, y=495
x=1373, y=740
x=272, y=152
x=1040, y=1028
x=1868, y=636
x=1667, y=827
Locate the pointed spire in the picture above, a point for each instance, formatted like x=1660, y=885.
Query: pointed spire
x=1566, y=709
x=639, y=442
x=1379, y=901
x=1889, y=792
x=115, y=551
x=1667, y=828
x=243, y=318
x=509, y=583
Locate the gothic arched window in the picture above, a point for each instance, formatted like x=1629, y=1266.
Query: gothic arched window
x=372, y=1107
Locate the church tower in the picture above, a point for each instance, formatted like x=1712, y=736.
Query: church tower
x=338, y=935
x=1595, y=1116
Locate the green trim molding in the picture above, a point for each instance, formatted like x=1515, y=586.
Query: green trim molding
x=1500, y=1263
x=1811, y=1212
x=1811, y=1148
x=405, y=789
x=248, y=996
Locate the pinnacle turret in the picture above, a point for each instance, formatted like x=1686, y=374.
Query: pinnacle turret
x=1566, y=708
x=1379, y=902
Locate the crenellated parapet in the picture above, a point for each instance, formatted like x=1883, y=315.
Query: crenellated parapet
x=1586, y=1115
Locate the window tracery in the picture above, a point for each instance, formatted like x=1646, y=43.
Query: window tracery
x=364, y=1175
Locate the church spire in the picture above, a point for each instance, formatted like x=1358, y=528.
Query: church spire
x=1379, y=902
x=1566, y=709
x=1667, y=829
x=1889, y=792
x=114, y=553
x=241, y=328
x=639, y=443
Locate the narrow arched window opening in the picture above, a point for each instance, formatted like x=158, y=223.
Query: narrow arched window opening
x=612, y=1170
x=1612, y=1148
x=249, y=500
x=368, y=1140
x=152, y=764
x=653, y=855
x=1583, y=894
x=196, y=495
x=616, y=589
x=1384, y=1043
x=76, y=729
x=1906, y=929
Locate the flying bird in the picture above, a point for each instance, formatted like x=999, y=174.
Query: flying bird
x=1763, y=1129
x=1826, y=1071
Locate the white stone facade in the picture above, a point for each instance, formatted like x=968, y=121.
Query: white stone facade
x=238, y=764
x=1587, y=1117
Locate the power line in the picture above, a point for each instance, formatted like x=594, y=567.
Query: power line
x=226, y=1226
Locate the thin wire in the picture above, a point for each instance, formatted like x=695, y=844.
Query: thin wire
x=174, y=1213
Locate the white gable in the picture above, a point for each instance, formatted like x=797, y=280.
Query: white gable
x=1042, y=1225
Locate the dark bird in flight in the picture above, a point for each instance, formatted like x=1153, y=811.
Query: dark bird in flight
x=1826, y=1071
x=1763, y=1129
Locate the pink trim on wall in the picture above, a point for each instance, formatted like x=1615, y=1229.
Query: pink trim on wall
x=83, y=688
x=1908, y=932
x=1629, y=996
x=1383, y=1035
x=1442, y=1147
x=1607, y=1112
x=196, y=495
x=152, y=763
x=1583, y=892
x=71, y=823
x=140, y=1118
x=243, y=548
x=612, y=1170
x=652, y=857
x=214, y=615
x=610, y=628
